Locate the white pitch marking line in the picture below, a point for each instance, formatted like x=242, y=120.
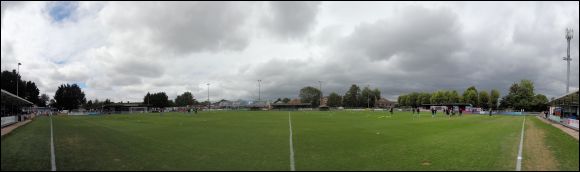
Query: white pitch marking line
x=519, y=159
x=52, y=157
x=292, y=168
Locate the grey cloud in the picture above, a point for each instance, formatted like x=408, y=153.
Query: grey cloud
x=179, y=46
x=291, y=19
x=138, y=68
x=417, y=34
x=422, y=49
x=182, y=27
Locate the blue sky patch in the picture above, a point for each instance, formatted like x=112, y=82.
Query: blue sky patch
x=60, y=62
x=62, y=10
x=82, y=85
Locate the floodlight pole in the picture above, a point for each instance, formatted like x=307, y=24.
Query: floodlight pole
x=569, y=35
x=18, y=77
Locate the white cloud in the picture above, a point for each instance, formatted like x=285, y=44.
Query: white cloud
x=121, y=50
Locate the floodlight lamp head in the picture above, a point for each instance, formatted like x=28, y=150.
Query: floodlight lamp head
x=569, y=33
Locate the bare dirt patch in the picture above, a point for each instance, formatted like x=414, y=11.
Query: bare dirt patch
x=537, y=156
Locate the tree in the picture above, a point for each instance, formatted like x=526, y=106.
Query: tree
x=88, y=105
x=438, y=97
x=334, y=100
x=520, y=96
x=367, y=97
x=540, y=103
x=454, y=97
x=26, y=89
x=185, y=99
x=310, y=95
x=471, y=96
x=413, y=99
x=52, y=103
x=159, y=100
x=402, y=100
x=9, y=80
x=69, y=97
x=425, y=98
x=147, y=99
x=352, y=96
x=494, y=98
x=286, y=100
x=483, y=99
x=446, y=96
x=43, y=100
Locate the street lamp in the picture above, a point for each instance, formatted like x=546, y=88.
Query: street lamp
x=18, y=78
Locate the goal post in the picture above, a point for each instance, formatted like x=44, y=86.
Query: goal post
x=138, y=109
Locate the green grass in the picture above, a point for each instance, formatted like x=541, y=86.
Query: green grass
x=562, y=145
x=27, y=148
x=259, y=141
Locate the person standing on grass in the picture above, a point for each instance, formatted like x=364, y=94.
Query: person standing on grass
x=433, y=112
x=460, y=112
x=391, y=111
x=453, y=111
x=490, y=111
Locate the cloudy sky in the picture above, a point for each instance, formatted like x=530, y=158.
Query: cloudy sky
x=122, y=50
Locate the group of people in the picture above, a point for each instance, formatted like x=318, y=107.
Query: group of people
x=192, y=110
x=448, y=111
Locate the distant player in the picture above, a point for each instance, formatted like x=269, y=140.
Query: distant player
x=391, y=111
x=432, y=112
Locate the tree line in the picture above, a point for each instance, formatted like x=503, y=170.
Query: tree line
x=354, y=97
x=521, y=96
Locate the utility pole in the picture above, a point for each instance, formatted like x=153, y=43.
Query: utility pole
x=18, y=78
x=208, y=102
x=368, y=97
x=569, y=35
x=259, y=88
x=320, y=87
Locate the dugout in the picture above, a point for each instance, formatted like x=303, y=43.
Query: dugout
x=122, y=107
x=565, y=106
x=11, y=108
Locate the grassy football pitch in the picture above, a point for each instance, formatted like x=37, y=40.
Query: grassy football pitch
x=249, y=140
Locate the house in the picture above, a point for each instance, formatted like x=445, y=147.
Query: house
x=384, y=103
